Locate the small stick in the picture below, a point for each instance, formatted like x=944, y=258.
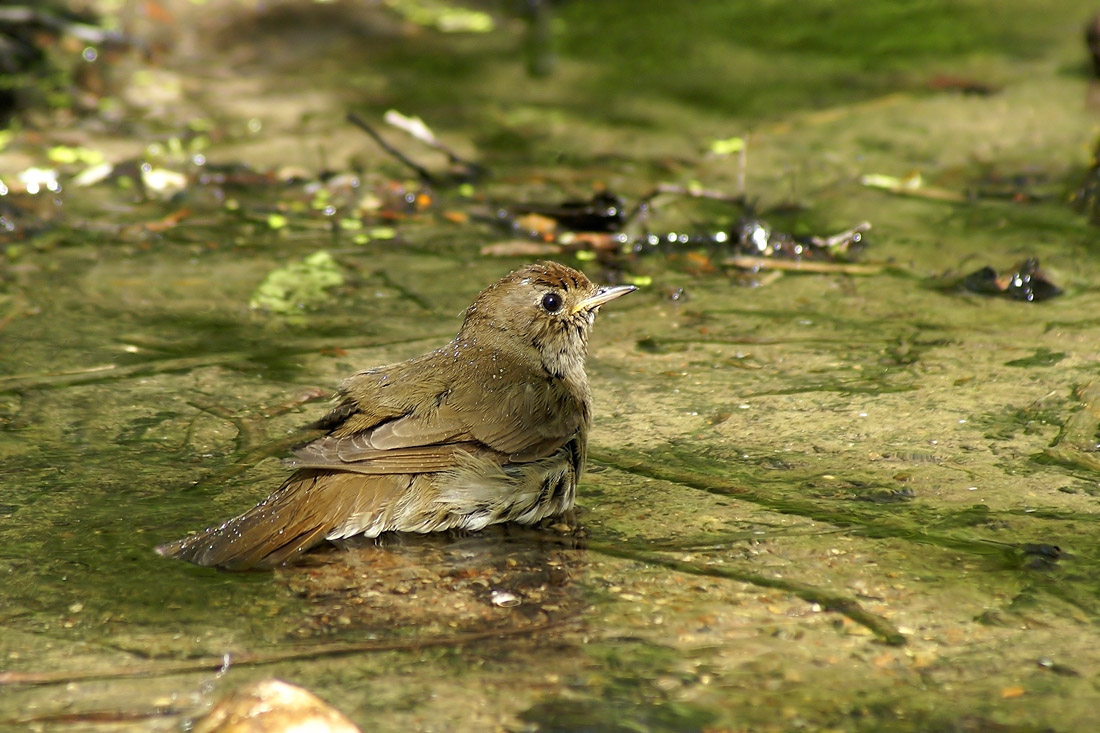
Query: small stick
x=424, y=174
x=250, y=456
x=255, y=659
x=116, y=372
x=827, y=599
x=415, y=127
x=745, y=262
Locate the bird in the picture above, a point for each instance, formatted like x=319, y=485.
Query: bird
x=490, y=428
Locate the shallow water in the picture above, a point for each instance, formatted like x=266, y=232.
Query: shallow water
x=828, y=502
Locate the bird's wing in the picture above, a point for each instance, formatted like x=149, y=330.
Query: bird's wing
x=377, y=430
x=528, y=422
x=347, y=454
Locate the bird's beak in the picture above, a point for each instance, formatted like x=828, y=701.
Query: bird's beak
x=602, y=296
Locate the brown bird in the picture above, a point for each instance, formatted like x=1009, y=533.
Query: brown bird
x=493, y=427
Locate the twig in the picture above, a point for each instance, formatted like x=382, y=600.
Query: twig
x=424, y=174
x=697, y=193
x=747, y=262
x=19, y=382
x=92, y=717
x=828, y=600
x=256, y=659
x=106, y=372
x=244, y=429
x=252, y=456
x=251, y=451
x=868, y=525
x=415, y=127
x=912, y=186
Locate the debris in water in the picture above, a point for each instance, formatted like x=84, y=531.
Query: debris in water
x=1025, y=282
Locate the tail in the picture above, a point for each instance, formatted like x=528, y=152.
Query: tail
x=309, y=507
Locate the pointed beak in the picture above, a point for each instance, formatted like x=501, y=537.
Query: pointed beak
x=602, y=296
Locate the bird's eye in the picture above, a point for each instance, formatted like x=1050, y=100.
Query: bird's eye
x=551, y=302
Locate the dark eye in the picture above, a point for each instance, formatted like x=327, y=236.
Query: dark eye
x=551, y=302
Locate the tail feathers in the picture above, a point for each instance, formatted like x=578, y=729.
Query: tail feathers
x=297, y=517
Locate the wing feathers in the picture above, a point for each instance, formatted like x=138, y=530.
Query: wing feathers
x=331, y=454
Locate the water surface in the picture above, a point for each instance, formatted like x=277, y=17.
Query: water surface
x=828, y=502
